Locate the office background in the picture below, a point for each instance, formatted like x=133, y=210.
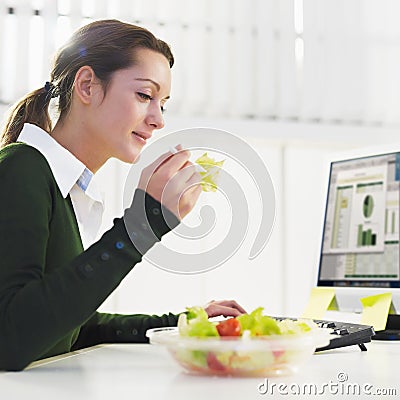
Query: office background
x=297, y=79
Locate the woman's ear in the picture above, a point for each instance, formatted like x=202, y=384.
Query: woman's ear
x=85, y=83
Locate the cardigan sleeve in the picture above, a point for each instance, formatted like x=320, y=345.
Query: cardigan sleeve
x=118, y=328
x=40, y=308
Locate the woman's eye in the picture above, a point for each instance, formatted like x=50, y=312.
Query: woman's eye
x=145, y=96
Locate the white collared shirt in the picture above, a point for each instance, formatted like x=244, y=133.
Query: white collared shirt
x=72, y=178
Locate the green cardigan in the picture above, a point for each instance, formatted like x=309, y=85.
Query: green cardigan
x=49, y=287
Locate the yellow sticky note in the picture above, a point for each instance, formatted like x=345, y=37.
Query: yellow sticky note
x=376, y=310
x=321, y=299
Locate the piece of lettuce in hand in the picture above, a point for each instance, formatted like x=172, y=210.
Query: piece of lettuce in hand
x=211, y=173
x=195, y=323
x=258, y=324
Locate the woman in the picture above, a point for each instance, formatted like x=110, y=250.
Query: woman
x=112, y=80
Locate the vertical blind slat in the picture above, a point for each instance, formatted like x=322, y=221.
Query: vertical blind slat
x=332, y=60
x=49, y=15
x=313, y=65
x=242, y=60
x=288, y=96
x=100, y=9
x=23, y=22
x=2, y=47
x=266, y=52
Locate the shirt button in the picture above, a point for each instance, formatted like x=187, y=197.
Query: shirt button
x=87, y=270
x=105, y=256
x=119, y=245
x=144, y=226
x=156, y=211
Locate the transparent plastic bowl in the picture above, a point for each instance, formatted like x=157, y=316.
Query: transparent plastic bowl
x=265, y=356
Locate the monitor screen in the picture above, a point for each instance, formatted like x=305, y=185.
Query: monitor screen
x=360, y=244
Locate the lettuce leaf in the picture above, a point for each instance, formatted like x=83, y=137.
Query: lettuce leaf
x=211, y=173
x=258, y=324
x=195, y=323
x=290, y=327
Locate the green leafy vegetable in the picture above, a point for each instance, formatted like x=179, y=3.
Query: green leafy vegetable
x=258, y=324
x=195, y=323
x=290, y=327
x=211, y=173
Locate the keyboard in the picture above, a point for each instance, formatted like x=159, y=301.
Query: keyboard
x=343, y=333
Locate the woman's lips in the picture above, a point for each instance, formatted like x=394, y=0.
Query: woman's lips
x=141, y=136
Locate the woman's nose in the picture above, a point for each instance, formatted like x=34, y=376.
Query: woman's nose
x=155, y=117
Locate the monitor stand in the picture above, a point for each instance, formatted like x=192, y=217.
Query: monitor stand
x=391, y=331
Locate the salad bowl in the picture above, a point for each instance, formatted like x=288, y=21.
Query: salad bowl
x=266, y=356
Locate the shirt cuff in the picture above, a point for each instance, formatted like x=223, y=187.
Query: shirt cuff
x=147, y=220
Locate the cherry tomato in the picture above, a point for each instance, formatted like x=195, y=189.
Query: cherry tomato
x=213, y=362
x=278, y=353
x=229, y=327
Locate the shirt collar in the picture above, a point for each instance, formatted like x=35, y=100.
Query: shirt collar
x=66, y=168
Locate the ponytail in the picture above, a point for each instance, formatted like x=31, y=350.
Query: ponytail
x=33, y=108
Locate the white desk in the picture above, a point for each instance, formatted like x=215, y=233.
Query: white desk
x=147, y=372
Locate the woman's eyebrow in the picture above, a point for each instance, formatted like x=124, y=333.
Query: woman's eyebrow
x=149, y=80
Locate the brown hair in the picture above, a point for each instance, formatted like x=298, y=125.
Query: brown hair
x=104, y=45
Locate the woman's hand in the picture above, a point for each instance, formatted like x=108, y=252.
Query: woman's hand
x=227, y=308
x=173, y=181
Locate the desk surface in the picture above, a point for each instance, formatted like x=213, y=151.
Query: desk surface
x=144, y=372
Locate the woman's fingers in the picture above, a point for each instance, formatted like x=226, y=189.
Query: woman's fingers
x=173, y=180
x=227, y=308
x=188, y=199
x=232, y=304
x=160, y=160
x=170, y=160
x=188, y=174
x=217, y=310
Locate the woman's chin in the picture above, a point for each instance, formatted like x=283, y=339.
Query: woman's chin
x=136, y=159
x=131, y=159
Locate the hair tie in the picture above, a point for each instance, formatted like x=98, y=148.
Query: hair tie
x=47, y=86
x=51, y=89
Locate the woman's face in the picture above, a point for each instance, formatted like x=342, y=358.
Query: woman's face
x=125, y=118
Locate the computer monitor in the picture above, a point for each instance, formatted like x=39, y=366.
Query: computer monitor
x=360, y=244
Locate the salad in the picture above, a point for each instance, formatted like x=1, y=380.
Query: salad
x=196, y=323
x=250, y=344
x=211, y=169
